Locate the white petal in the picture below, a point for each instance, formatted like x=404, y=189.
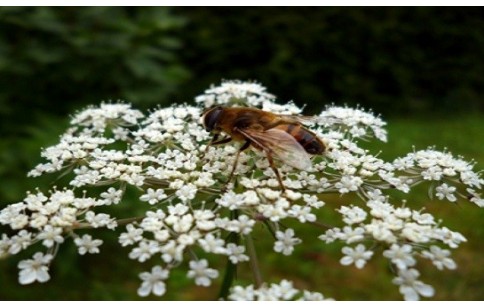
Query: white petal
x=347, y=250
x=425, y=290
x=27, y=276
x=42, y=274
x=25, y=264
x=145, y=289
x=450, y=264
x=202, y=281
x=360, y=263
x=347, y=260
x=409, y=294
x=159, y=288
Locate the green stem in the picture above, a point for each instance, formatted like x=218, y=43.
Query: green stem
x=269, y=227
x=120, y=222
x=230, y=270
x=254, y=265
x=321, y=225
x=229, y=277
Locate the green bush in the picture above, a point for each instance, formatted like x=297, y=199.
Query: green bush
x=394, y=60
x=55, y=59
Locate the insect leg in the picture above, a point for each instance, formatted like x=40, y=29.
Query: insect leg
x=226, y=140
x=214, y=141
x=276, y=171
x=234, y=166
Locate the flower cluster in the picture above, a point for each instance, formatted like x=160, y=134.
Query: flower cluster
x=235, y=93
x=354, y=122
x=275, y=292
x=406, y=234
x=186, y=209
x=450, y=177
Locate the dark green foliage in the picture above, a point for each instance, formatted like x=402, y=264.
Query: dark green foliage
x=55, y=59
x=394, y=60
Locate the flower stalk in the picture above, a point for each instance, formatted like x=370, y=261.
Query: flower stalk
x=254, y=263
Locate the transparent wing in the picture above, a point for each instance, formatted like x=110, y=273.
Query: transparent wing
x=281, y=145
x=305, y=120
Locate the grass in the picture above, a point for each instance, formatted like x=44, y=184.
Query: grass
x=314, y=265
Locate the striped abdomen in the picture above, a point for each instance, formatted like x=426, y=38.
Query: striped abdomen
x=307, y=139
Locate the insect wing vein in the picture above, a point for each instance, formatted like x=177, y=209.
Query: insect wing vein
x=282, y=145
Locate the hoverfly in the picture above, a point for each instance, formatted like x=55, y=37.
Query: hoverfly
x=279, y=136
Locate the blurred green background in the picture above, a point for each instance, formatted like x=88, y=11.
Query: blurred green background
x=421, y=68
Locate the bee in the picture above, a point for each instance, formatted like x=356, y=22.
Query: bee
x=279, y=136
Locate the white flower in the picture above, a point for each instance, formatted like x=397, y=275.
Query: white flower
x=285, y=242
x=352, y=214
x=65, y=217
x=87, y=245
x=239, y=293
x=446, y=191
x=440, y=258
x=153, y=196
x=187, y=192
x=236, y=253
x=188, y=239
x=98, y=118
x=282, y=291
x=178, y=209
x=84, y=203
x=153, y=221
x=100, y=220
x=348, y=183
x=35, y=269
x=353, y=118
x=234, y=92
x=410, y=287
x=358, y=256
x=153, y=282
x=144, y=251
x=132, y=236
x=351, y=235
x=433, y=173
x=210, y=243
x=112, y=196
x=202, y=274
x=277, y=291
x=242, y=225
x=204, y=219
x=451, y=238
x=180, y=224
x=20, y=241
x=475, y=197
x=172, y=251
x=401, y=256
x=51, y=235
x=313, y=296
x=274, y=212
x=19, y=221
x=423, y=219
x=231, y=200
x=416, y=233
x=302, y=213
x=121, y=134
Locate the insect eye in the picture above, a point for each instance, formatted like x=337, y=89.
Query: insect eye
x=211, y=118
